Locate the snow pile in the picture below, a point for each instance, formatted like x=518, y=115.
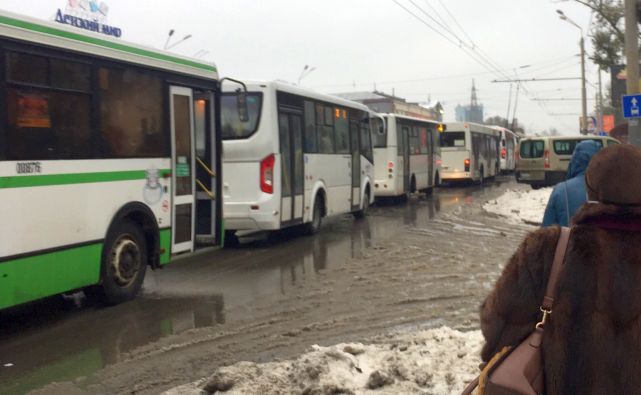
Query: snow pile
x=520, y=206
x=435, y=361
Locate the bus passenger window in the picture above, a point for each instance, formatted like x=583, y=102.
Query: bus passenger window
x=131, y=114
x=43, y=122
x=310, y=128
x=342, y=135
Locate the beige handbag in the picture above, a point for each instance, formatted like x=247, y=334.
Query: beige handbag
x=519, y=370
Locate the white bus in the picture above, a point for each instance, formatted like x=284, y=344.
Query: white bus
x=103, y=148
x=299, y=157
x=469, y=152
x=509, y=145
x=406, y=153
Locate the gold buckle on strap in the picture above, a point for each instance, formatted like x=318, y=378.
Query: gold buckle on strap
x=546, y=313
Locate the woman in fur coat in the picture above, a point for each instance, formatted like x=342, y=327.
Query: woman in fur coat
x=592, y=339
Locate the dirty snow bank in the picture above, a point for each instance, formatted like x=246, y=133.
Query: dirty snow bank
x=520, y=206
x=435, y=361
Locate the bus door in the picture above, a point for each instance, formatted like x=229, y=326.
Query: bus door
x=182, y=158
x=476, y=154
x=405, y=147
x=427, y=135
x=356, y=163
x=290, y=132
x=206, y=177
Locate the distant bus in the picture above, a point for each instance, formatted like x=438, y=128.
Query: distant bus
x=406, y=153
x=469, y=152
x=103, y=149
x=509, y=146
x=300, y=156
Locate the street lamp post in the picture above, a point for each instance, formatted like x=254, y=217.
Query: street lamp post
x=584, y=104
x=171, y=33
x=632, y=60
x=306, y=71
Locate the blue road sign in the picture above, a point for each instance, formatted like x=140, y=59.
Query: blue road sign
x=631, y=106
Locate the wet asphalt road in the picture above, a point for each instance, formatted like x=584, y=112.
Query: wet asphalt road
x=64, y=339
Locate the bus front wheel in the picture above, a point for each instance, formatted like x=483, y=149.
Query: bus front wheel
x=124, y=262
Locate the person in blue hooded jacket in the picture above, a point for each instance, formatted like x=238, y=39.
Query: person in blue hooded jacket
x=568, y=196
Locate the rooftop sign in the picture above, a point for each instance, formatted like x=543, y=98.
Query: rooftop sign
x=87, y=15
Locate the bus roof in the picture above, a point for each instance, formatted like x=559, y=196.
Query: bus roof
x=57, y=35
x=296, y=90
x=411, y=118
x=476, y=127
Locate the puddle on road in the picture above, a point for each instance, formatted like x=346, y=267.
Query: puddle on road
x=63, y=340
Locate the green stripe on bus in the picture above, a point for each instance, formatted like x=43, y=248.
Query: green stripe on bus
x=72, y=178
x=103, y=43
x=165, y=246
x=25, y=279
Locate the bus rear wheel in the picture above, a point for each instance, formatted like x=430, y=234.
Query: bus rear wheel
x=124, y=262
x=362, y=213
x=314, y=226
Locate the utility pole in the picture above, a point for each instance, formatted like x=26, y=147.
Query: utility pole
x=509, y=104
x=599, y=122
x=584, y=102
x=516, y=102
x=632, y=60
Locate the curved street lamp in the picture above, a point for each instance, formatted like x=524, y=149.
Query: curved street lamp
x=584, y=105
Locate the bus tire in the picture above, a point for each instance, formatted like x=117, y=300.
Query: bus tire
x=124, y=263
x=231, y=239
x=362, y=213
x=311, y=228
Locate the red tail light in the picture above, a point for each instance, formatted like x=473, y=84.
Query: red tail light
x=267, y=174
x=546, y=159
x=466, y=162
x=503, y=153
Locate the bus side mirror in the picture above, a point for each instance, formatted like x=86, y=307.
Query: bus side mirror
x=241, y=105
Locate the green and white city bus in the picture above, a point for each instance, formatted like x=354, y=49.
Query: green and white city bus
x=109, y=161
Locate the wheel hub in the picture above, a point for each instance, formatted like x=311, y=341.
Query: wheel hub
x=125, y=261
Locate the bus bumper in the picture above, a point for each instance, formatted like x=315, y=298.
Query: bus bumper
x=244, y=216
x=386, y=188
x=447, y=176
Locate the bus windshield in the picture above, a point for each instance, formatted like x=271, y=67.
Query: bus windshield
x=453, y=139
x=232, y=126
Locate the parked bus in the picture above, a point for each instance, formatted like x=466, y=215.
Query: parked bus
x=103, y=149
x=300, y=156
x=406, y=153
x=509, y=145
x=469, y=152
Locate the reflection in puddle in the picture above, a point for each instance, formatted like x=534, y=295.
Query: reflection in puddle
x=60, y=340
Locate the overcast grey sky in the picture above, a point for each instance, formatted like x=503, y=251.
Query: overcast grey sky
x=354, y=44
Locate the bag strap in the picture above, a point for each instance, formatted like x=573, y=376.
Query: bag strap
x=550, y=291
x=557, y=265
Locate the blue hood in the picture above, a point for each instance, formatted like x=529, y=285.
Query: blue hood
x=581, y=157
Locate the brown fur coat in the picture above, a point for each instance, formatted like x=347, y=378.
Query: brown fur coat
x=592, y=341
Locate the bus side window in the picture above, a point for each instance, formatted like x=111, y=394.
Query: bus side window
x=366, y=141
x=325, y=129
x=310, y=128
x=52, y=120
x=131, y=114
